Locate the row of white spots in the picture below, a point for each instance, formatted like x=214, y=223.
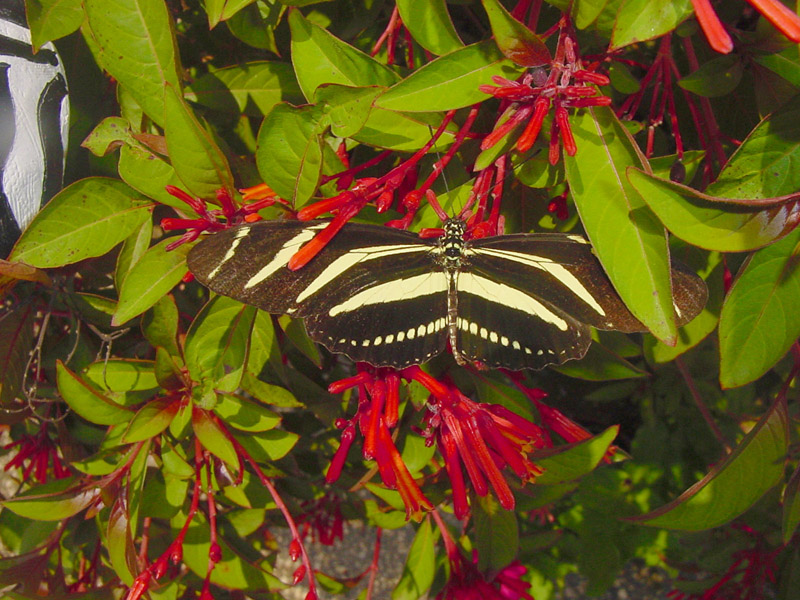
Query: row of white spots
x=548, y=266
x=505, y=295
x=494, y=337
x=429, y=329
x=341, y=265
x=237, y=239
x=283, y=255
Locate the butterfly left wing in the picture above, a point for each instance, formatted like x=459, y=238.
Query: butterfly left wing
x=370, y=294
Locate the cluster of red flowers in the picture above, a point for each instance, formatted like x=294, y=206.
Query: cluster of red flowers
x=39, y=451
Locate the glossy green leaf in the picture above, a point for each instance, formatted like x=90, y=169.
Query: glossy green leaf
x=84, y=220
x=765, y=164
x=140, y=53
x=496, y=533
x=119, y=542
x=153, y=418
x=255, y=24
x=160, y=325
x=52, y=19
x=149, y=174
x=722, y=224
x=627, y=237
x=263, y=344
x=87, y=401
x=567, y=463
x=733, y=485
x=133, y=248
x=785, y=63
x=198, y=161
x=251, y=88
x=289, y=154
x=319, y=57
x=515, y=40
x=450, y=81
x=110, y=134
x=245, y=415
x=217, y=343
x=153, y=276
x=213, y=437
x=641, y=20
x=759, y=320
x=269, y=445
x=53, y=501
x=420, y=565
x=430, y=25
x=346, y=108
x=717, y=77
x=121, y=375
x=404, y=132
x=791, y=506
x=269, y=394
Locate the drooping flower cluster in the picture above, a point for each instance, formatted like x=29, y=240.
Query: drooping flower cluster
x=568, y=85
x=38, y=451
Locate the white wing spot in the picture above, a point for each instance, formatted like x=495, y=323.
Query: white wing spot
x=473, y=328
x=484, y=333
x=401, y=336
x=365, y=343
x=431, y=327
x=389, y=338
x=378, y=341
x=353, y=342
x=493, y=337
x=504, y=341
x=540, y=352
x=515, y=345
x=342, y=341
x=528, y=351
x=421, y=330
x=411, y=333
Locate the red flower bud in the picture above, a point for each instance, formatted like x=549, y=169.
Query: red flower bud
x=295, y=549
x=299, y=574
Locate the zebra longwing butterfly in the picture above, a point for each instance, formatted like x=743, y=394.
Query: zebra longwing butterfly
x=390, y=298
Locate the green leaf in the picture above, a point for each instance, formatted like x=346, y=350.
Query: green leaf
x=346, y=108
x=430, y=25
x=785, y=64
x=255, y=24
x=262, y=343
x=642, y=20
x=136, y=45
x=269, y=445
x=791, y=506
x=149, y=174
x=52, y=19
x=87, y=401
x=319, y=57
x=251, y=88
x=717, y=77
x=567, y=463
x=627, y=237
x=514, y=39
x=121, y=375
x=84, y=220
x=759, y=320
x=713, y=223
x=420, y=565
x=273, y=395
x=110, y=134
x=244, y=414
x=119, y=542
x=217, y=343
x=53, y=501
x=213, y=437
x=450, y=81
x=733, y=485
x=600, y=364
x=403, y=132
x=160, y=325
x=198, y=161
x=152, y=277
x=496, y=534
x=132, y=250
x=289, y=153
x=153, y=418
x=765, y=165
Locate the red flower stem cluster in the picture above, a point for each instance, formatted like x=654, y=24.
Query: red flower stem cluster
x=782, y=17
x=39, y=451
x=217, y=219
x=323, y=519
x=380, y=190
x=529, y=7
x=567, y=86
x=296, y=548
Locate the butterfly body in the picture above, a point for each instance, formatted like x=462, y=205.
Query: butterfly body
x=390, y=298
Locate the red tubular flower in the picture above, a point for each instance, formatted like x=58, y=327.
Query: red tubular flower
x=485, y=438
x=38, y=451
x=534, y=126
x=715, y=32
x=467, y=583
x=782, y=17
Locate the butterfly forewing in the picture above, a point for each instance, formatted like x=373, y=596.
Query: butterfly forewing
x=374, y=293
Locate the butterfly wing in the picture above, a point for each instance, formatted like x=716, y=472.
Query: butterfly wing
x=371, y=294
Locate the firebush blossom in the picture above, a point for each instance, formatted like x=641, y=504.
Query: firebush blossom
x=568, y=85
x=39, y=451
x=783, y=18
